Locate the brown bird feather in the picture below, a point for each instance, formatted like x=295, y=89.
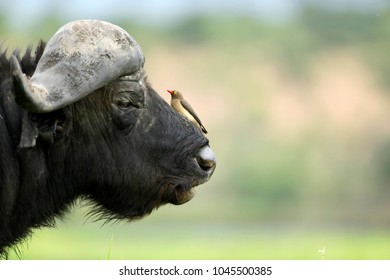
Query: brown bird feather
x=184, y=108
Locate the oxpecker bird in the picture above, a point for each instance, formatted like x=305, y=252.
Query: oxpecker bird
x=184, y=108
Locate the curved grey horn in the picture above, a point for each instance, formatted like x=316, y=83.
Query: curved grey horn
x=81, y=57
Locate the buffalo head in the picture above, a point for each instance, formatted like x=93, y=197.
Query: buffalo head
x=91, y=126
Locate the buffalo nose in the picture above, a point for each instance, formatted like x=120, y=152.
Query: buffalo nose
x=206, y=159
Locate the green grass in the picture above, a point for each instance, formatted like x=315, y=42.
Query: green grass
x=203, y=241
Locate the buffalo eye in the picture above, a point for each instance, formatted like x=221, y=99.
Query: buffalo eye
x=127, y=94
x=126, y=99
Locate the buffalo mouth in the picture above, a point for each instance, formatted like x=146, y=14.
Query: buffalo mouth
x=181, y=193
x=179, y=190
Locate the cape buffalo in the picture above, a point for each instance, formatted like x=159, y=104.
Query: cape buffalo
x=78, y=119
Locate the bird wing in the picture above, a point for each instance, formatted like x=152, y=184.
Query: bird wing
x=190, y=110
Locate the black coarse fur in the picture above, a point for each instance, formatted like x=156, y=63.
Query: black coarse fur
x=9, y=167
x=126, y=160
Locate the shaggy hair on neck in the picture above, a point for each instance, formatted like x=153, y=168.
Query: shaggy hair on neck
x=28, y=61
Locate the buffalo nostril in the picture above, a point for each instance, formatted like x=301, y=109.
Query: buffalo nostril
x=206, y=159
x=205, y=164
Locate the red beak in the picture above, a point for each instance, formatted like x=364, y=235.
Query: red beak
x=170, y=91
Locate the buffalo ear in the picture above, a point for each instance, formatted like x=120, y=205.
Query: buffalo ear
x=47, y=127
x=29, y=132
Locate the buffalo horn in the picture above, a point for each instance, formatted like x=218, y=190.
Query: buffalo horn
x=81, y=57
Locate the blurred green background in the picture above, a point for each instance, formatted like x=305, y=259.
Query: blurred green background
x=295, y=96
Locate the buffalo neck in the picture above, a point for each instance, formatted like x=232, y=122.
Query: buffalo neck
x=32, y=197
